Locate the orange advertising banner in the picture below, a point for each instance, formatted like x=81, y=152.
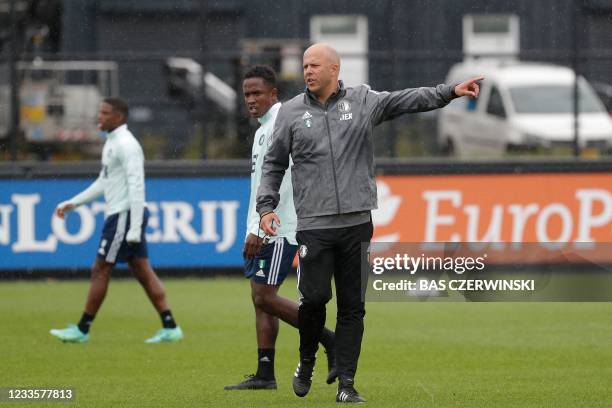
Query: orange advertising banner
x=572, y=210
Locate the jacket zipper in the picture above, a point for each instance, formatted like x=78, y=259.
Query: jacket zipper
x=332, y=160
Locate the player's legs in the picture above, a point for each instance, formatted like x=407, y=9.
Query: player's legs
x=137, y=257
x=265, y=299
x=113, y=233
x=148, y=279
x=266, y=327
x=316, y=263
x=267, y=270
x=268, y=305
x=351, y=308
x=112, y=236
x=100, y=277
x=266, y=320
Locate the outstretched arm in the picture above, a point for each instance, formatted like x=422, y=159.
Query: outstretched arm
x=388, y=105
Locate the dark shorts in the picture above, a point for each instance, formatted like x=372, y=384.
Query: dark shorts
x=113, y=247
x=273, y=263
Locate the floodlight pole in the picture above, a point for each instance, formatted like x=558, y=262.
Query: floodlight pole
x=576, y=10
x=14, y=81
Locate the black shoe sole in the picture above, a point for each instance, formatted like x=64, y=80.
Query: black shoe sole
x=238, y=387
x=271, y=388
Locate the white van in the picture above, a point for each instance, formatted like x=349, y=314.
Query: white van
x=521, y=106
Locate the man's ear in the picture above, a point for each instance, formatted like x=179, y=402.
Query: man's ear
x=274, y=93
x=335, y=69
x=121, y=117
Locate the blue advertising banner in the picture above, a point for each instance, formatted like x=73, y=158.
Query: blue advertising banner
x=194, y=222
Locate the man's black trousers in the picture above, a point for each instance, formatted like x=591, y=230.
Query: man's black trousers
x=324, y=253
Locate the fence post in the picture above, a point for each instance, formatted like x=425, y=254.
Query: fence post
x=14, y=81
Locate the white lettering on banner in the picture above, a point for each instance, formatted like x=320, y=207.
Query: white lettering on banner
x=520, y=215
x=595, y=211
x=209, y=221
x=153, y=224
x=228, y=212
x=566, y=223
x=388, y=204
x=587, y=219
x=26, y=226
x=177, y=222
x=494, y=232
x=433, y=219
x=5, y=224
x=178, y=217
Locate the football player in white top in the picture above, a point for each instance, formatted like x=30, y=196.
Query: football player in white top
x=121, y=181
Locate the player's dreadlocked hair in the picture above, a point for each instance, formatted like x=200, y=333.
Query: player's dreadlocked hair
x=264, y=72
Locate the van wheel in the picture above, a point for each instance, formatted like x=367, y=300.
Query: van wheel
x=448, y=149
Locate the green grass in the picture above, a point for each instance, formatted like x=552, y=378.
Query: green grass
x=413, y=355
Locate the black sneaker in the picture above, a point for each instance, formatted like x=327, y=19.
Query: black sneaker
x=332, y=371
x=347, y=393
x=252, y=382
x=302, y=379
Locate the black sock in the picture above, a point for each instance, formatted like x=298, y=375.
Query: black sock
x=265, y=364
x=167, y=319
x=85, y=322
x=327, y=339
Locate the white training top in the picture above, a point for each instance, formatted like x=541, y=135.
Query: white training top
x=285, y=209
x=121, y=179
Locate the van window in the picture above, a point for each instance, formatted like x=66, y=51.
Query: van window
x=471, y=105
x=495, y=106
x=553, y=99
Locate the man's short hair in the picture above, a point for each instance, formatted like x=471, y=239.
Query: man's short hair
x=264, y=72
x=119, y=105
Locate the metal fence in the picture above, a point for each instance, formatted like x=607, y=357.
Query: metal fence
x=171, y=129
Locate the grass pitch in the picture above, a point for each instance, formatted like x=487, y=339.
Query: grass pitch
x=413, y=355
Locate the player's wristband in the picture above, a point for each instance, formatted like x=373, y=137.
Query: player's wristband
x=266, y=237
x=264, y=214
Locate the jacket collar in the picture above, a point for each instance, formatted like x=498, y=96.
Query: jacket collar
x=117, y=130
x=340, y=92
